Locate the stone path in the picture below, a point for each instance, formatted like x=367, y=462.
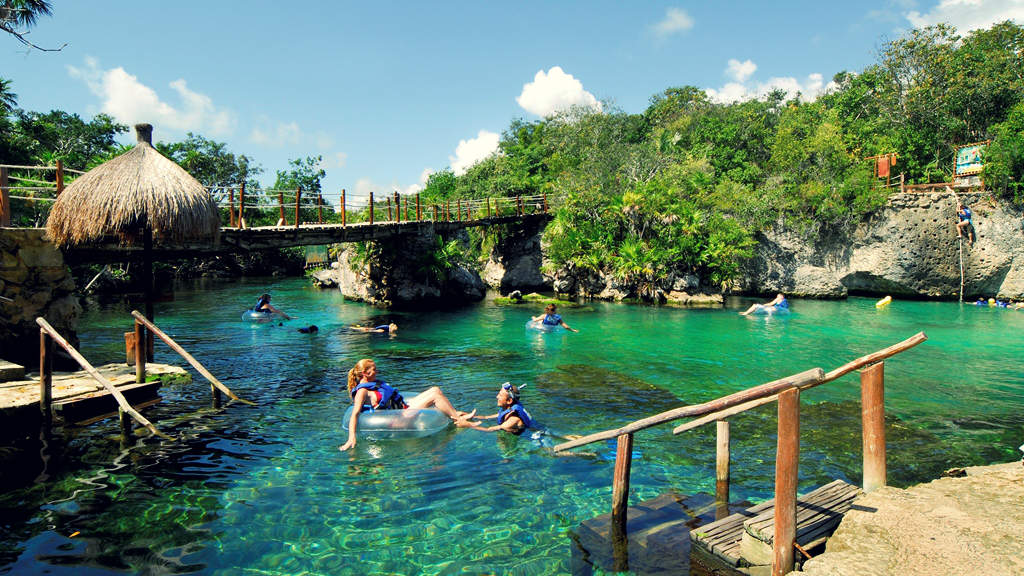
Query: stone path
x=968, y=525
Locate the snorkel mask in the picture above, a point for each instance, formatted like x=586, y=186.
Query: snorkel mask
x=512, y=391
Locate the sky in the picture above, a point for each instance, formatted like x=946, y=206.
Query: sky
x=388, y=92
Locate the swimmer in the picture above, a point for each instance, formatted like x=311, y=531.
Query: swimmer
x=512, y=417
x=263, y=306
x=382, y=329
x=778, y=302
x=371, y=394
x=550, y=317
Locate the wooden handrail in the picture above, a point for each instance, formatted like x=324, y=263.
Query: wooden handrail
x=121, y=401
x=195, y=363
x=861, y=362
x=800, y=380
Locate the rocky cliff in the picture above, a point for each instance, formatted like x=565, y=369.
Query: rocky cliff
x=907, y=248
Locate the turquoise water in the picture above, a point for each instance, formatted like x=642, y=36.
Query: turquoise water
x=264, y=490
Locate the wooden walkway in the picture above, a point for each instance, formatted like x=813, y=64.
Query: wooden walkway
x=79, y=398
x=745, y=539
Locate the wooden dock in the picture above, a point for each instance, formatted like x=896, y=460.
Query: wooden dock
x=78, y=398
x=745, y=539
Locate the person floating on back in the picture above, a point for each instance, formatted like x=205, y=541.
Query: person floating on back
x=550, y=317
x=778, y=302
x=263, y=306
x=391, y=329
x=964, y=227
x=512, y=417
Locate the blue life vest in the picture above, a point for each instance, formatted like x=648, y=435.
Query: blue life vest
x=783, y=304
x=390, y=399
x=384, y=327
x=552, y=319
x=259, y=306
x=518, y=410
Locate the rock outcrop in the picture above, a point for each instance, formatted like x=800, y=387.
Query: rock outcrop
x=907, y=248
x=514, y=262
x=34, y=281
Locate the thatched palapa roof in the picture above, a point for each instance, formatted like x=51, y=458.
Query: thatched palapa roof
x=137, y=189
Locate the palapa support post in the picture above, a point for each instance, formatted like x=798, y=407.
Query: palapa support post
x=5, y=200
x=60, y=176
x=298, y=197
x=46, y=347
x=344, y=209
x=787, y=459
x=231, y=207
x=140, y=358
x=319, y=208
x=147, y=271
x=722, y=470
x=371, y=207
x=241, y=206
x=872, y=413
x=280, y=206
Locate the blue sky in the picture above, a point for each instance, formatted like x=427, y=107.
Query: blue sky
x=388, y=91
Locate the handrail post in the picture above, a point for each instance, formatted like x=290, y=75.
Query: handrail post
x=519, y=205
x=488, y=206
x=344, y=210
x=398, y=208
x=280, y=206
x=406, y=208
x=722, y=470
x=447, y=210
x=231, y=207
x=319, y=208
x=241, y=206
x=787, y=458
x=46, y=348
x=458, y=209
x=298, y=196
x=419, y=215
x=435, y=212
x=371, y=207
x=545, y=197
x=60, y=176
x=872, y=412
x=140, y=356
x=388, y=200
x=5, y=200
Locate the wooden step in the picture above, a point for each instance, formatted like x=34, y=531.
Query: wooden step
x=10, y=371
x=745, y=538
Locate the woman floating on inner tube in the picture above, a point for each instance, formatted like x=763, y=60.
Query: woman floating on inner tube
x=372, y=394
x=550, y=317
x=263, y=306
x=512, y=417
x=390, y=329
x=779, y=303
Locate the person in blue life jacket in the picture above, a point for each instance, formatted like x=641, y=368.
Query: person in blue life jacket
x=263, y=306
x=512, y=417
x=550, y=317
x=373, y=394
x=964, y=227
x=390, y=329
x=778, y=302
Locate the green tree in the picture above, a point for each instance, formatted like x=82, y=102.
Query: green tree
x=8, y=99
x=59, y=135
x=17, y=16
x=1004, y=158
x=210, y=162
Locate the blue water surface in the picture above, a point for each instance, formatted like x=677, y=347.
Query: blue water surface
x=264, y=490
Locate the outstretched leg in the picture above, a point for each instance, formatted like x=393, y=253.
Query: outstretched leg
x=434, y=397
x=751, y=309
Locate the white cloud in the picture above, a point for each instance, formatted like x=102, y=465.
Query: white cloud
x=275, y=136
x=361, y=193
x=553, y=91
x=471, y=151
x=336, y=160
x=676, y=20
x=969, y=15
x=130, y=101
x=742, y=89
x=740, y=71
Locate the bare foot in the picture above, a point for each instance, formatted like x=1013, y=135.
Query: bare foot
x=465, y=415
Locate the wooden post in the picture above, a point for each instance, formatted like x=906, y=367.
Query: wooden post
x=458, y=209
x=344, y=210
x=216, y=396
x=406, y=208
x=447, y=210
x=620, y=479
x=872, y=414
x=545, y=197
x=5, y=200
x=125, y=423
x=398, y=208
x=319, y=208
x=280, y=205
x=241, y=206
x=787, y=458
x=722, y=471
x=60, y=176
x=231, y=207
x=140, y=358
x=45, y=373
x=371, y=207
x=435, y=212
x=488, y=206
x=901, y=182
x=298, y=197
x=419, y=215
x=519, y=205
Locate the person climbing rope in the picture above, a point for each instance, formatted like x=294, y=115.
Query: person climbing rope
x=964, y=227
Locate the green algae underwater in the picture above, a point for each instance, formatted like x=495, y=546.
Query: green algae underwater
x=264, y=490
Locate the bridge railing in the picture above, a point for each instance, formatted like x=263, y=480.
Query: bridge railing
x=28, y=192
x=787, y=393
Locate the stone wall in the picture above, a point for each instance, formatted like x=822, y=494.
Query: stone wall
x=907, y=248
x=34, y=275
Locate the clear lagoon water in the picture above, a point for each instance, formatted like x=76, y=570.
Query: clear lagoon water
x=264, y=490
